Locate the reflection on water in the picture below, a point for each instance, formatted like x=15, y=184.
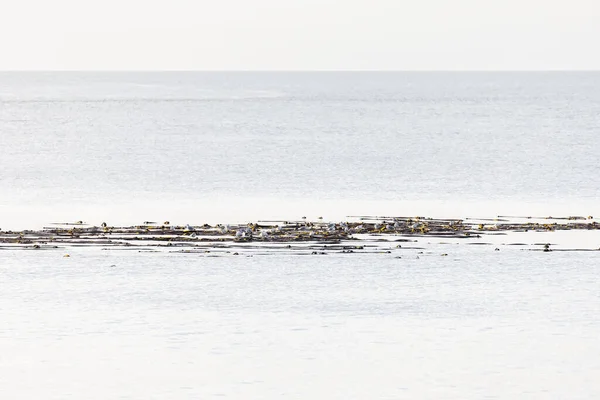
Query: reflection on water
x=129, y=325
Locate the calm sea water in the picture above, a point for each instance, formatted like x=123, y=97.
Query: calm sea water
x=204, y=147
x=476, y=324
x=229, y=147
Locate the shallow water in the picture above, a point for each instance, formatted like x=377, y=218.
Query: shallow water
x=474, y=324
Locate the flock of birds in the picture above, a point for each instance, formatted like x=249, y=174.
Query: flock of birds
x=346, y=236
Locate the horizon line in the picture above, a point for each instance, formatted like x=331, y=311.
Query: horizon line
x=303, y=70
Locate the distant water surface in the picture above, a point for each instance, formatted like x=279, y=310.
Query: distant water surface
x=198, y=147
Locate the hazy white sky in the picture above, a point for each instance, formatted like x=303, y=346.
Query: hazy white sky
x=300, y=34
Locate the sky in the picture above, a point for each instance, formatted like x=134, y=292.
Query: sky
x=299, y=35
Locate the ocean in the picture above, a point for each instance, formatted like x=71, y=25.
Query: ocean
x=237, y=147
x=228, y=147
